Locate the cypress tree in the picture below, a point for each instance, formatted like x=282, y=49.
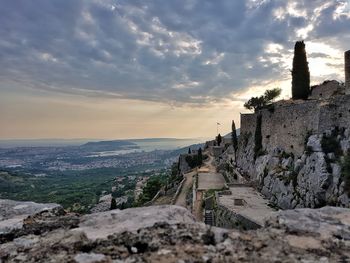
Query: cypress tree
x=200, y=155
x=258, y=137
x=113, y=204
x=219, y=139
x=234, y=137
x=300, y=72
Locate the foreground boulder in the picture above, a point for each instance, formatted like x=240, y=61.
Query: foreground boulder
x=101, y=225
x=19, y=218
x=169, y=234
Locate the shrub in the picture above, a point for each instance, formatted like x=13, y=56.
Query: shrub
x=308, y=150
x=151, y=188
x=285, y=155
x=331, y=145
x=113, y=204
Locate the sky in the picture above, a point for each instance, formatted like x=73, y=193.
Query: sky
x=114, y=69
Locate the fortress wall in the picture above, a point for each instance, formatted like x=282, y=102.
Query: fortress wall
x=248, y=123
x=334, y=113
x=326, y=90
x=287, y=126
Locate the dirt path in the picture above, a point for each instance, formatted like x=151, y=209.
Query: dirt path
x=208, y=178
x=181, y=199
x=208, y=164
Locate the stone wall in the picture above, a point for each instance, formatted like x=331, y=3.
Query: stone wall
x=228, y=219
x=183, y=165
x=326, y=90
x=216, y=151
x=287, y=124
x=334, y=113
x=293, y=170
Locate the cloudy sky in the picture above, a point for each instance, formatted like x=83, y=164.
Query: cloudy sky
x=154, y=68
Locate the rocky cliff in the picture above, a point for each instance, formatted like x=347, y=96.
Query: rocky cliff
x=314, y=179
x=46, y=233
x=296, y=151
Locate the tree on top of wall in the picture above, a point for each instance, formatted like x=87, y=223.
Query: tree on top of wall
x=258, y=103
x=300, y=72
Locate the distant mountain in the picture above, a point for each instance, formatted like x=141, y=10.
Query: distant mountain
x=42, y=142
x=108, y=146
x=185, y=149
x=238, y=131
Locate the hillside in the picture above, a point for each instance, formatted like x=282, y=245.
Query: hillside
x=108, y=146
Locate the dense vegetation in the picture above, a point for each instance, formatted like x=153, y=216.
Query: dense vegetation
x=300, y=72
x=74, y=191
x=195, y=160
x=153, y=185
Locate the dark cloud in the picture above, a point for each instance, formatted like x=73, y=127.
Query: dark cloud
x=170, y=51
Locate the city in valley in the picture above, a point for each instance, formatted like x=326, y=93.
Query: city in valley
x=85, y=175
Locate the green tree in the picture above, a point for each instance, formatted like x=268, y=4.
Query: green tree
x=151, y=188
x=300, y=72
x=200, y=155
x=219, y=139
x=258, y=137
x=258, y=103
x=189, y=150
x=234, y=137
x=113, y=204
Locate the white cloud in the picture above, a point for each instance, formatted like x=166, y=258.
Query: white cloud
x=195, y=52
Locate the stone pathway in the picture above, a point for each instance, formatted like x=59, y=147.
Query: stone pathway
x=208, y=178
x=181, y=199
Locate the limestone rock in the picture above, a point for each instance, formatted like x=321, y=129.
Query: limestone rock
x=324, y=223
x=302, y=235
x=315, y=143
x=13, y=213
x=100, y=225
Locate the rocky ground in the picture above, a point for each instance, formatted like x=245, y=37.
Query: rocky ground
x=46, y=233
